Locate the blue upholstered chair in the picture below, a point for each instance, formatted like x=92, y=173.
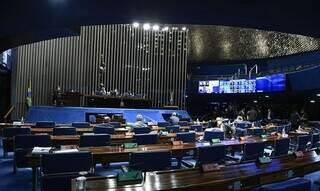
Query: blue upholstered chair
x=163, y=124
x=146, y=139
x=9, y=134
x=186, y=137
x=211, y=154
x=173, y=129
x=303, y=142
x=115, y=124
x=257, y=131
x=141, y=130
x=281, y=147
x=209, y=135
x=296, y=184
x=57, y=170
x=24, y=144
x=315, y=140
x=81, y=125
x=197, y=128
x=45, y=124
x=280, y=128
x=99, y=140
x=253, y=151
x=150, y=161
x=64, y=131
x=183, y=123
x=103, y=130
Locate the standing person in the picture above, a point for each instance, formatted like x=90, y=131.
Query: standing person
x=270, y=114
x=252, y=115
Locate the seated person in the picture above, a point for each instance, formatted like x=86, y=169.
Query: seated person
x=220, y=125
x=174, y=119
x=139, y=121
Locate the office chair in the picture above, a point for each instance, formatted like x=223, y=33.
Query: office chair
x=281, y=147
x=146, y=139
x=150, y=160
x=64, y=131
x=115, y=124
x=9, y=134
x=209, y=135
x=173, y=129
x=24, y=144
x=197, y=128
x=163, y=124
x=253, y=151
x=45, y=124
x=186, y=137
x=141, y=130
x=99, y=140
x=103, y=130
x=81, y=125
x=211, y=154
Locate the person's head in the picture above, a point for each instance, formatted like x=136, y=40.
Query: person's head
x=106, y=119
x=139, y=117
x=174, y=114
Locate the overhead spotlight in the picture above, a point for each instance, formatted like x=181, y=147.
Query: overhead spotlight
x=135, y=24
x=255, y=101
x=165, y=28
x=312, y=101
x=266, y=96
x=184, y=28
x=155, y=27
x=146, y=26
x=318, y=95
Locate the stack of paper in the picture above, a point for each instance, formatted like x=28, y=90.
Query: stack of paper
x=41, y=150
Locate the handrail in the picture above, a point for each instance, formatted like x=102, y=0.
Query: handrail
x=8, y=113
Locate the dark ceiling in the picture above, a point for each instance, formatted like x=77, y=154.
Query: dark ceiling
x=26, y=21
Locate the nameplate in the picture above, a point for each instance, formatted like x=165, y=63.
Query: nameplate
x=264, y=160
x=298, y=154
x=129, y=176
x=130, y=145
x=176, y=143
x=210, y=167
x=215, y=141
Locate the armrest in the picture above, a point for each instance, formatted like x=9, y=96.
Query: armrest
x=188, y=164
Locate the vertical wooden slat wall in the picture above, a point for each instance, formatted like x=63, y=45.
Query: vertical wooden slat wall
x=148, y=62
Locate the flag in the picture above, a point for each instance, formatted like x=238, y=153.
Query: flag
x=29, y=95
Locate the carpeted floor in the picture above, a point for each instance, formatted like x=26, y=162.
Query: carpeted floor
x=21, y=181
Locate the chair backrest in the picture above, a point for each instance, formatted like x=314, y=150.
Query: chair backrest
x=183, y=123
x=243, y=125
x=115, y=124
x=211, y=154
x=302, y=142
x=150, y=161
x=95, y=140
x=186, y=137
x=46, y=124
x=103, y=130
x=141, y=130
x=197, y=128
x=81, y=125
x=14, y=131
x=66, y=162
x=163, y=124
x=252, y=151
x=257, y=132
x=315, y=140
x=209, y=135
x=64, y=131
x=30, y=141
x=280, y=128
x=282, y=146
x=173, y=129
x=146, y=139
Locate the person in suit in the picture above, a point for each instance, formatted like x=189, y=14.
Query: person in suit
x=174, y=119
x=139, y=121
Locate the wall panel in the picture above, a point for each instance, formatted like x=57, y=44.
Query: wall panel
x=147, y=62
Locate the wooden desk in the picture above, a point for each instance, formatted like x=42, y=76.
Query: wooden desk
x=79, y=130
x=248, y=175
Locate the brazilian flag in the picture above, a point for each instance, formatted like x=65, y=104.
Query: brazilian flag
x=29, y=95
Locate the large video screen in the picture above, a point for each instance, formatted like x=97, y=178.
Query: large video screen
x=272, y=83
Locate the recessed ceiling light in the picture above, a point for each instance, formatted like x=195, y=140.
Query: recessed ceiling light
x=184, y=28
x=155, y=27
x=312, y=101
x=135, y=24
x=146, y=26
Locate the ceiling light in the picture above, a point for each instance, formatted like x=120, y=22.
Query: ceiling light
x=318, y=95
x=155, y=27
x=312, y=101
x=184, y=28
x=146, y=26
x=255, y=101
x=165, y=28
x=135, y=24
x=266, y=96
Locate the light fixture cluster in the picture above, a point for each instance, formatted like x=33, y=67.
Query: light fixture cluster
x=156, y=27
